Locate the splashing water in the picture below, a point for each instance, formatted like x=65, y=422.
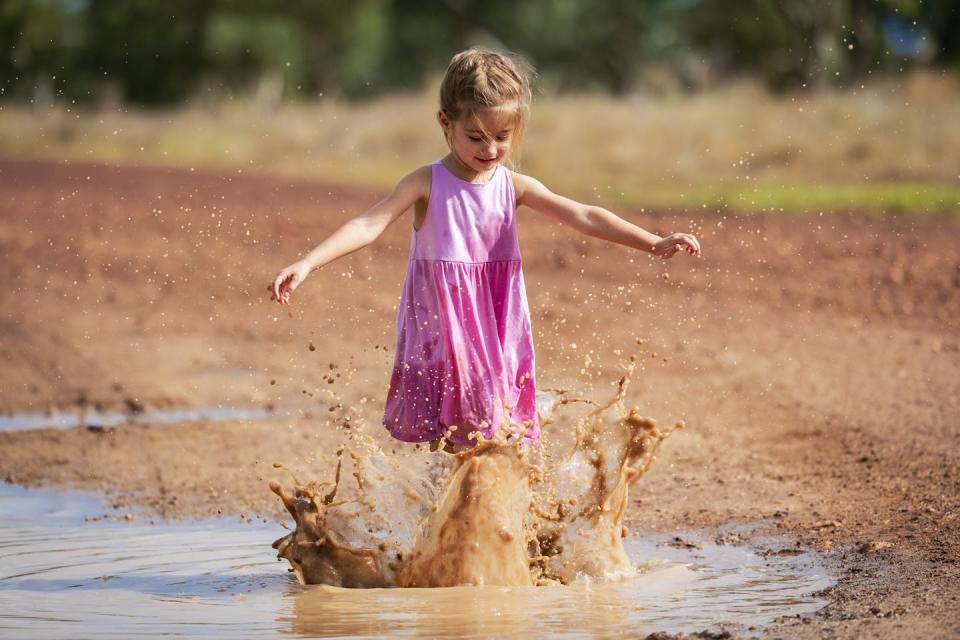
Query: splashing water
x=63, y=574
x=499, y=514
x=498, y=517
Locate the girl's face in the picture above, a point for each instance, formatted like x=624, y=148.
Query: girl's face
x=482, y=141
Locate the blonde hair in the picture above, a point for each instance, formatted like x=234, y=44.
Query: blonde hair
x=480, y=79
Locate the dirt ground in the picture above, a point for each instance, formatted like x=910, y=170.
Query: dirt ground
x=815, y=360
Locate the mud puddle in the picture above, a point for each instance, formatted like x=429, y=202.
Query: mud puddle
x=67, y=571
x=107, y=419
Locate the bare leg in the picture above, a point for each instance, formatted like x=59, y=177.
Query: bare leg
x=442, y=444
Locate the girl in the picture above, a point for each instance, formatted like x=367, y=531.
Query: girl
x=464, y=362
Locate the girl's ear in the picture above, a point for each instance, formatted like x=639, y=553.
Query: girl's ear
x=446, y=126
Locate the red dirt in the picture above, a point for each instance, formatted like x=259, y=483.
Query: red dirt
x=816, y=360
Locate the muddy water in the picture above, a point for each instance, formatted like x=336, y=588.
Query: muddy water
x=512, y=541
x=682, y=591
x=65, y=571
x=72, y=419
x=500, y=514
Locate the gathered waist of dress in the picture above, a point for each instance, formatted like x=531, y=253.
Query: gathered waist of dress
x=467, y=262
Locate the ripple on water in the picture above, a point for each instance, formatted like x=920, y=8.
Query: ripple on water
x=62, y=576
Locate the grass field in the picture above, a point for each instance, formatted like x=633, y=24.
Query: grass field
x=885, y=146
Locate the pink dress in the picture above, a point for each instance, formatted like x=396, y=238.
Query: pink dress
x=464, y=344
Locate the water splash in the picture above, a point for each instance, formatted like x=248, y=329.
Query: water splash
x=499, y=514
x=64, y=574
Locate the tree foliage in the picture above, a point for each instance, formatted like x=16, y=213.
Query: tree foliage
x=157, y=53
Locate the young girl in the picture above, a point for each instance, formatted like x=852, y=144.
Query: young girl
x=464, y=364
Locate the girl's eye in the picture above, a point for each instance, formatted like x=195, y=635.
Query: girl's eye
x=475, y=138
x=503, y=138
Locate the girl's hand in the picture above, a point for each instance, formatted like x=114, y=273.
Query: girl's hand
x=675, y=242
x=287, y=280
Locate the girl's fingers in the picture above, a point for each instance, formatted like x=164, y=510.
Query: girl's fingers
x=278, y=283
x=681, y=242
x=287, y=287
x=693, y=245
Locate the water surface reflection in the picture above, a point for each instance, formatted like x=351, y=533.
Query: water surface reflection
x=64, y=576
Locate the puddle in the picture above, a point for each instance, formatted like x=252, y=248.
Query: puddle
x=72, y=419
x=64, y=576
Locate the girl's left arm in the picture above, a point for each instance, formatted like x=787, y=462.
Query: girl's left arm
x=598, y=222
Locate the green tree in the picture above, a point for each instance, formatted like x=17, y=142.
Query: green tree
x=153, y=50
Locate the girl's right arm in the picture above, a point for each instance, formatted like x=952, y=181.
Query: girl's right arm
x=354, y=234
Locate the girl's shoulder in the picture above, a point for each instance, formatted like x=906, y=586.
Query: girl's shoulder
x=522, y=184
x=416, y=184
x=422, y=176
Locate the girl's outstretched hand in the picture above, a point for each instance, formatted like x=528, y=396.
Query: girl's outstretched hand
x=287, y=280
x=671, y=244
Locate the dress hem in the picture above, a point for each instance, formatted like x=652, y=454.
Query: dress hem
x=511, y=260
x=428, y=437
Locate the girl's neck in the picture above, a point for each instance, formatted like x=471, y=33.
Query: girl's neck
x=465, y=173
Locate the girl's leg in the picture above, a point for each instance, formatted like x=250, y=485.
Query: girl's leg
x=442, y=444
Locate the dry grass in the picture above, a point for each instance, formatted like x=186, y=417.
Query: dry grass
x=882, y=146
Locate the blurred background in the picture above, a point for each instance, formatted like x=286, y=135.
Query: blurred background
x=756, y=104
x=161, y=161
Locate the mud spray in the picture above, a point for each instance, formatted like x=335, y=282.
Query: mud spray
x=499, y=514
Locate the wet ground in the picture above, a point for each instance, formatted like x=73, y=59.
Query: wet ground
x=71, y=566
x=97, y=421
x=815, y=360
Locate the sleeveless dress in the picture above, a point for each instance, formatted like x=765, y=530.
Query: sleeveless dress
x=464, y=353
